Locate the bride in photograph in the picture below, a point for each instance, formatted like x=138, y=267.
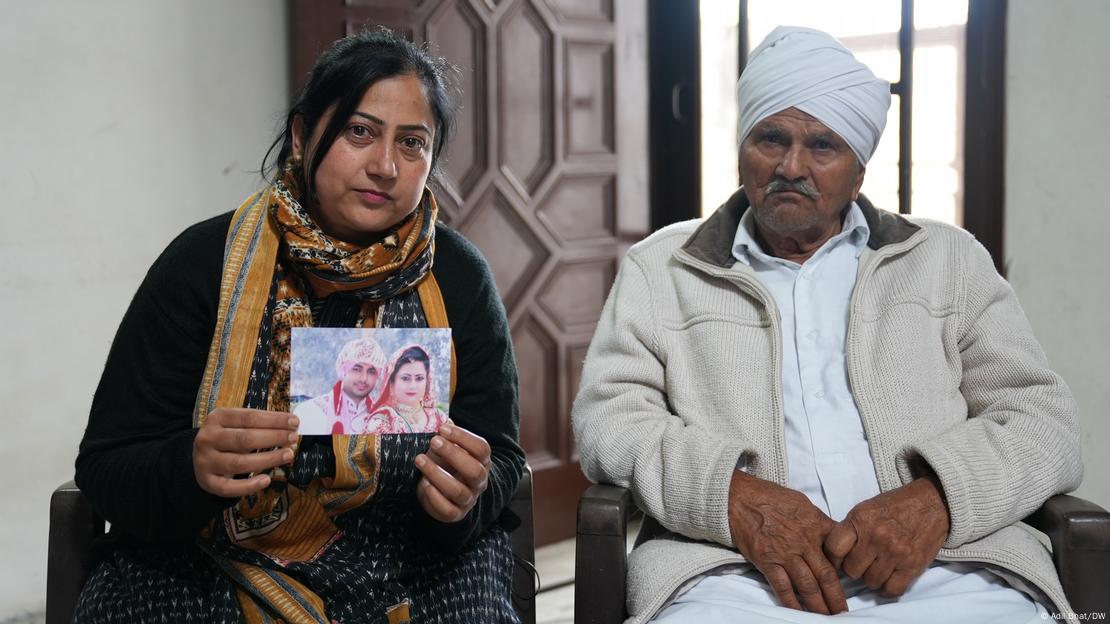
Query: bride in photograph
x=407, y=404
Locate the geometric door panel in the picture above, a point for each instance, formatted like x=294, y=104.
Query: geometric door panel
x=537, y=175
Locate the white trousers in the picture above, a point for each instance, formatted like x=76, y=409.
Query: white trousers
x=946, y=592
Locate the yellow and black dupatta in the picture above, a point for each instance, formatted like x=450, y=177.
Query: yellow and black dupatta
x=274, y=258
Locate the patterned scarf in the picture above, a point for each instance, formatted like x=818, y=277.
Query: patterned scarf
x=279, y=268
x=379, y=272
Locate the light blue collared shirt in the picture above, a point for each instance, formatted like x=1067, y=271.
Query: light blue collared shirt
x=828, y=456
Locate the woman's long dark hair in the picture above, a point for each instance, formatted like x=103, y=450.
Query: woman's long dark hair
x=341, y=77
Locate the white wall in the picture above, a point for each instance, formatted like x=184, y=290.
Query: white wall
x=1058, y=201
x=122, y=122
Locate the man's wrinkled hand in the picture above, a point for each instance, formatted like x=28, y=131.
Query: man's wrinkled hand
x=889, y=540
x=781, y=533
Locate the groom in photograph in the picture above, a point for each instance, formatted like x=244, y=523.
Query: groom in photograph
x=357, y=368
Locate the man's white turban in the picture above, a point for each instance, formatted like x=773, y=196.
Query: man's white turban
x=813, y=72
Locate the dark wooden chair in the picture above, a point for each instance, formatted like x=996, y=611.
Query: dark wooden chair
x=74, y=525
x=1079, y=531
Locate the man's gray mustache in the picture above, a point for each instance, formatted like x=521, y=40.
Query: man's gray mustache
x=803, y=187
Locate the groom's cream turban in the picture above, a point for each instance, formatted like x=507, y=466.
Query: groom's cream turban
x=364, y=350
x=814, y=73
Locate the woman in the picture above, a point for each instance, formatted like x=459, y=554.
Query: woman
x=219, y=512
x=406, y=405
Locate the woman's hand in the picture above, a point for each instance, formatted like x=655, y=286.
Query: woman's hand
x=456, y=472
x=237, y=441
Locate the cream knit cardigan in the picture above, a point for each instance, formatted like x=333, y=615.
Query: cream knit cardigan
x=683, y=378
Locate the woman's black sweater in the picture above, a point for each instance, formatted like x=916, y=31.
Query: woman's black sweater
x=135, y=460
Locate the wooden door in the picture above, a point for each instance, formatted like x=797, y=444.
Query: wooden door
x=546, y=174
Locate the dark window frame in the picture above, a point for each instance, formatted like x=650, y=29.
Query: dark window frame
x=985, y=127
x=674, y=111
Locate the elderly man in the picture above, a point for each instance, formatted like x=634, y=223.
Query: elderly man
x=358, y=366
x=831, y=408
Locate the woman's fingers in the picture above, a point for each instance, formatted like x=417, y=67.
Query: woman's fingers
x=456, y=472
x=462, y=454
x=247, y=440
x=216, y=472
x=231, y=464
x=246, y=418
x=239, y=429
x=454, y=490
x=240, y=441
x=458, y=461
x=474, y=444
x=444, y=497
x=437, y=505
x=233, y=488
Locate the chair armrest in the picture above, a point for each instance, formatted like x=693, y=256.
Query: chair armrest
x=73, y=526
x=524, y=549
x=601, y=555
x=1078, y=529
x=1080, y=534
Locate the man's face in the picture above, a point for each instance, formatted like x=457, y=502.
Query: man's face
x=798, y=174
x=360, y=379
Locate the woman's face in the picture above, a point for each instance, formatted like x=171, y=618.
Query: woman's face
x=374, y=173
x=410, y=383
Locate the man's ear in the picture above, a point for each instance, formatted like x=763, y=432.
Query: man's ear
x=859, y=182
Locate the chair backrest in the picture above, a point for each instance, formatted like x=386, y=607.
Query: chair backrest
x=74, y=525
x=525, y=578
